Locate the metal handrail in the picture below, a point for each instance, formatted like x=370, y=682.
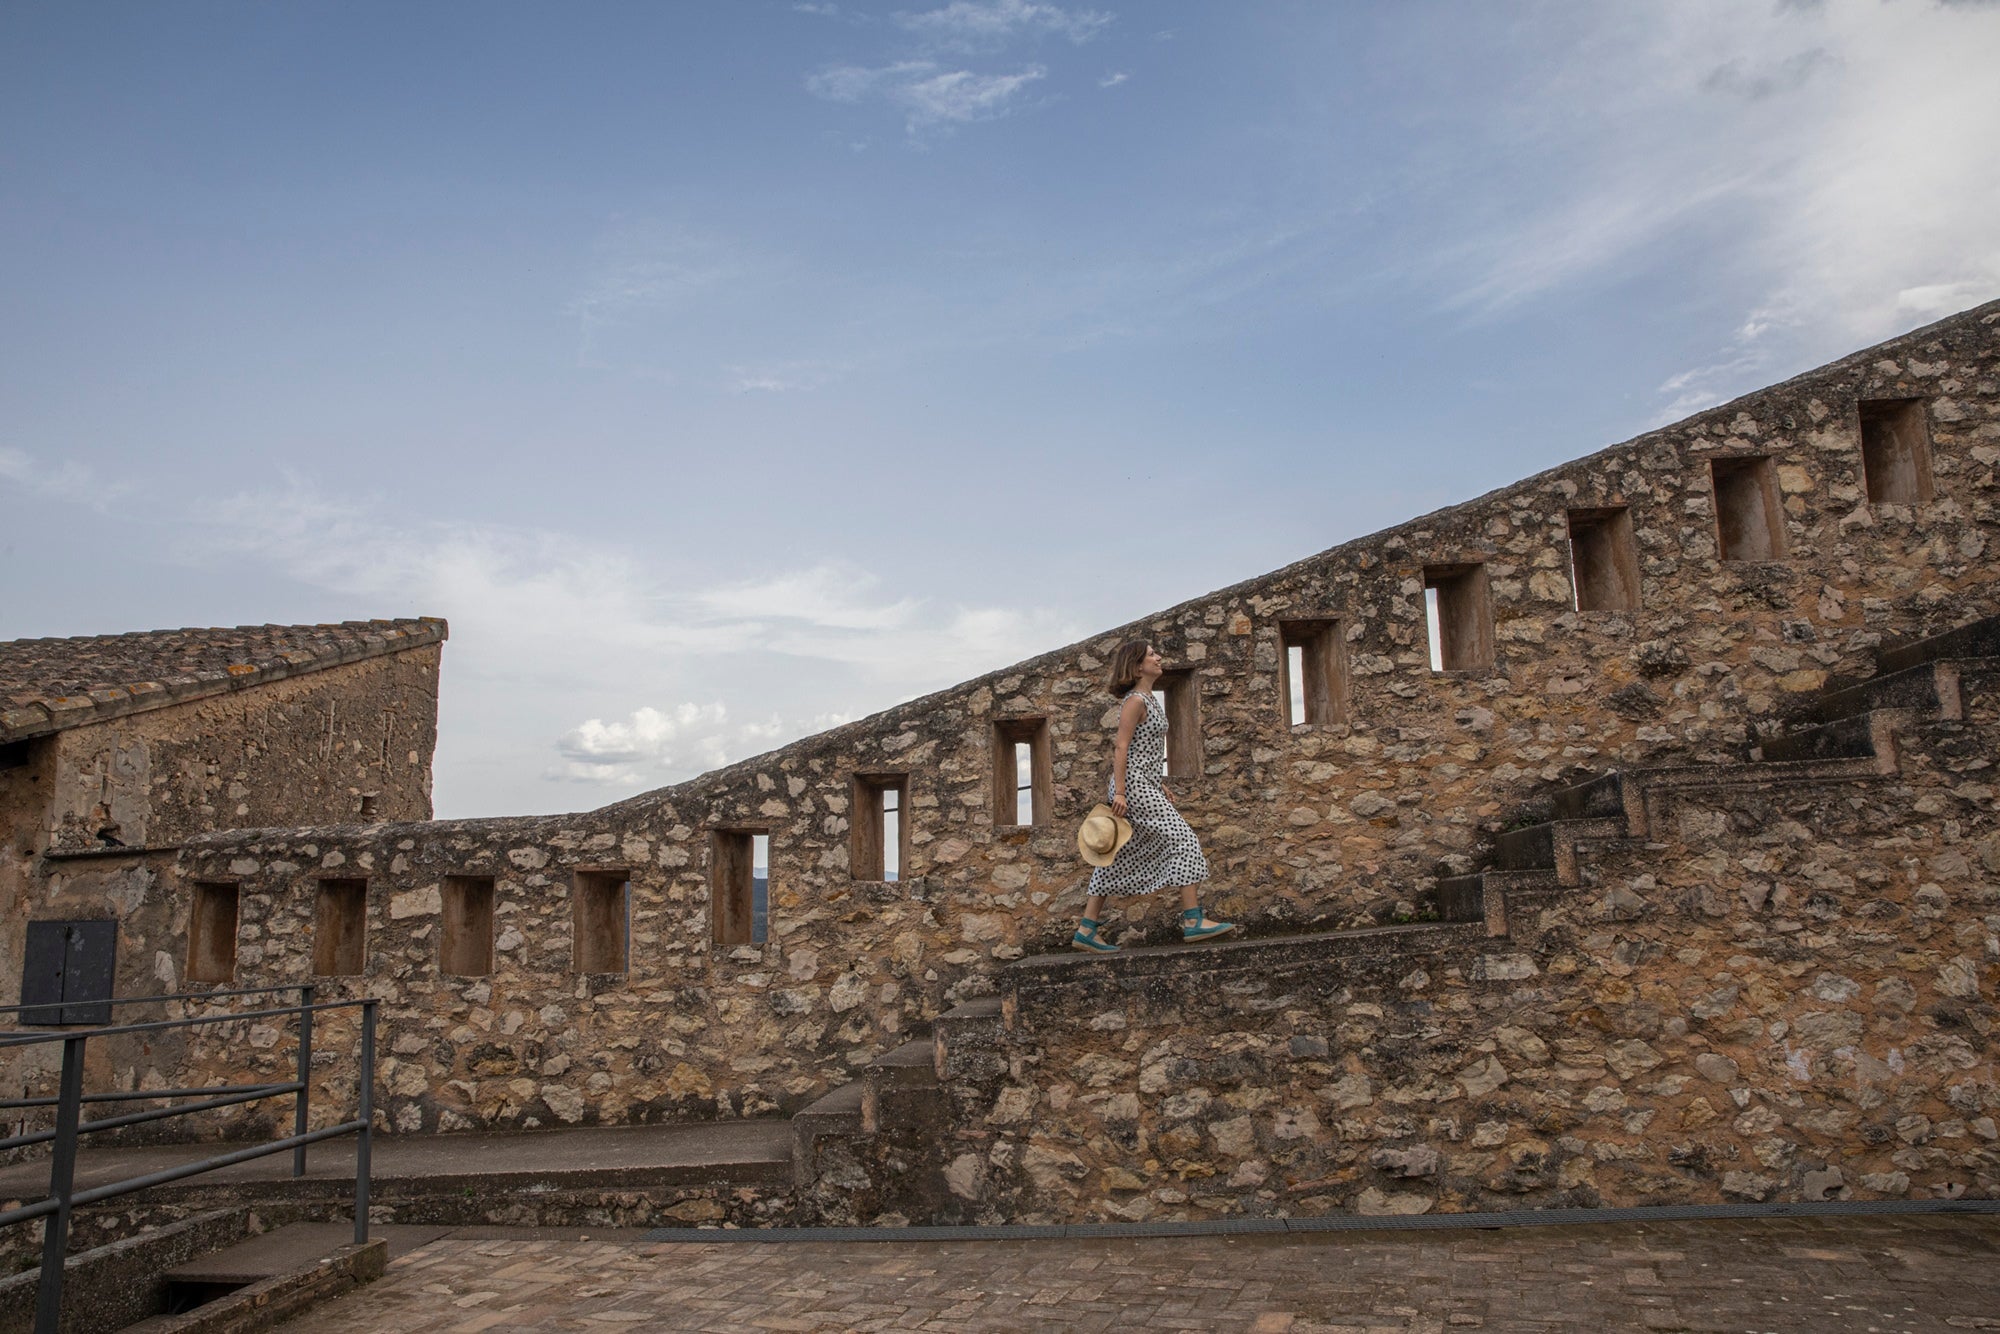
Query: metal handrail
x=247, y=1093
x=63, y=1197
x=171, y=996
x=131, y=1095
x=156, y=1025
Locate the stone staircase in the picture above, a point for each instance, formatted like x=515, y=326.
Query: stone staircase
x=934, y=1094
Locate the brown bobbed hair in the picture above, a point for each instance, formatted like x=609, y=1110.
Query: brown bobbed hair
x=1125, y=665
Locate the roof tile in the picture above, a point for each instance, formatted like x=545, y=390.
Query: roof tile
x=51, y=684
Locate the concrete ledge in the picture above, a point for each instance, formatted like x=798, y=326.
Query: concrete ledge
x=113, y=1285
x=278, y=1298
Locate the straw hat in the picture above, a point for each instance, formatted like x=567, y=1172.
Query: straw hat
x=1101, y=835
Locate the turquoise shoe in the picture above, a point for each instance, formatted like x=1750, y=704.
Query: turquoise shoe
x=1087, y=940
x=1192, y=928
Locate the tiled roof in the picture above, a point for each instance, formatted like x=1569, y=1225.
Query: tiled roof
x=47, y=685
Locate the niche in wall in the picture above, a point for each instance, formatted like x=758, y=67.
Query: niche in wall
x=1749, y=524
x=1463, y=635
x=601, y=921
x=738, y=897
x=1603, y=559
x=1896, y=450
x=1177, y=695
x=879, y=826
x=1023, y=773
x=340, y=928
x=465, y=946
x=212, y=932
x=1312, y=671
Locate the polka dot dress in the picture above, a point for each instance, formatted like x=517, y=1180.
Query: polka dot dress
x=1163, y=852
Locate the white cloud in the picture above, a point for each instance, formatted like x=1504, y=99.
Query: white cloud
x=1835, y=160
x=825, y=596
x=689, y=738
x=961, y=96
x=931, y=97
x=785, y=377
x=65, y=480
x=540, y=618
x=1113, y=79
x=984, y=24
x=852, y=83
x=645, y=271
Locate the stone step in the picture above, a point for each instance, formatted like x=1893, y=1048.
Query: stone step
x=900, y=1089
x=1978, y=639
x=293, y=1247
x=1132, y=966
x=1598, y=798
x=1551, y=845
x=1462, y=898
x=700, y=1154
x=1756, y=773
x=1485, y=896
x=910, y=1065
x=971, y=1040
x=1858, y=736
x=1929, y=689
x=838, y=1113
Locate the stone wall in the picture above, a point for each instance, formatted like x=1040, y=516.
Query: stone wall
x=94, y=815
x=1345, y=821
x=1786, y=993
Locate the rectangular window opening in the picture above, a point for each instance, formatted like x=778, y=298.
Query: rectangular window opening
x=739, y=885
x=1749, y=524
x=1459, y=607
x=212, y=932
x=1896, y=451
x=465, y=948
x=1182, y=703
x=601, y=920
x=878, y=832
x=340, y=928
x=1314, y=670
x=1603, y=559
x=68, y=971
x=1023, y=774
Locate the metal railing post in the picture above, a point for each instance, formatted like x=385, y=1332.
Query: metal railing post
x=302, y=1107
x=364, y=1147
x=62, y=1180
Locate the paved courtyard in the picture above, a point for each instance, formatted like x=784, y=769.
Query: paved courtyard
x=1926, y=1273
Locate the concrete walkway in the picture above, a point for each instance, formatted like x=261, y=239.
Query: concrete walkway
x=718, y=1152
x=1896, y=1275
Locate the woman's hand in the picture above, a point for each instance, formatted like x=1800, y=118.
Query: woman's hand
x=1118, y=806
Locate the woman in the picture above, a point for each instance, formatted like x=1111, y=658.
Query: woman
x=1162, y=852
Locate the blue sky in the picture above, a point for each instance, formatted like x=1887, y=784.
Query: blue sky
x=725, y=370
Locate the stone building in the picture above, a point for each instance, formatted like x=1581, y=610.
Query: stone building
x=1656, y=873
x=116, y=750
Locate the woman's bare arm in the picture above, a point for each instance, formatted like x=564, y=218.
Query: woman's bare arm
x=1128, y=722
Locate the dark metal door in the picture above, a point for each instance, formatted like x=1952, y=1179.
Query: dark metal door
x=68, y=971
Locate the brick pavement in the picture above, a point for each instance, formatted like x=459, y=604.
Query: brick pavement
x=1888, y=1274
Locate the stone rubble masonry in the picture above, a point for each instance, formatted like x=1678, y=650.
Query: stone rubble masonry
x=1785, y=992
x=1319, y=826
x=124, y=747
